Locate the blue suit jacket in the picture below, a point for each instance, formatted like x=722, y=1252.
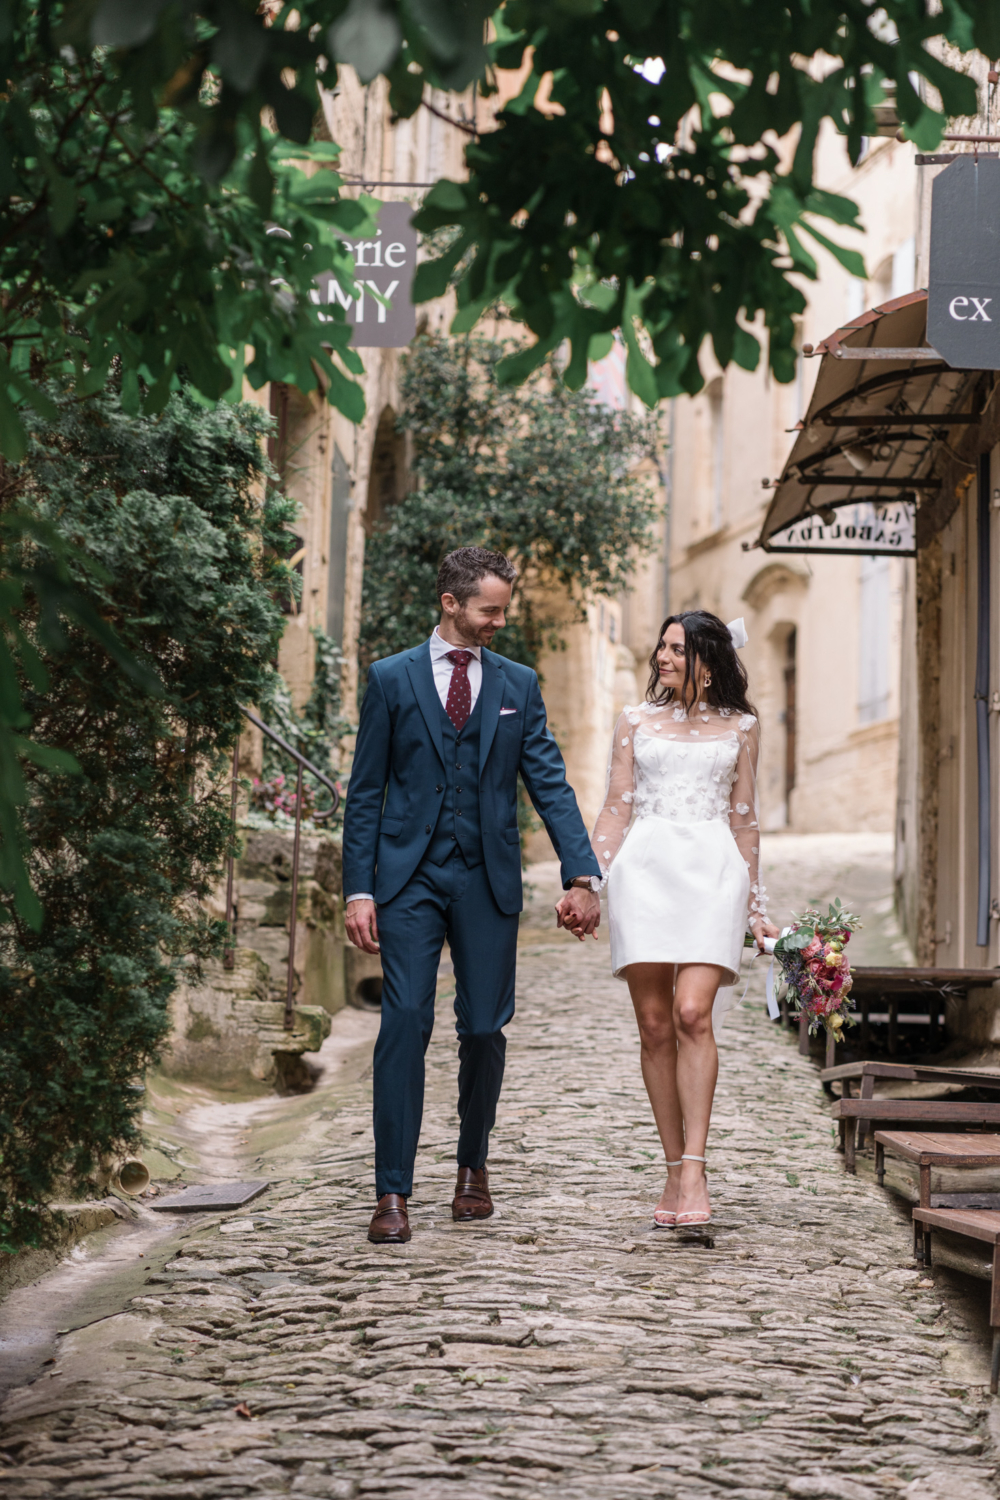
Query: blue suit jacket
x=395, y=786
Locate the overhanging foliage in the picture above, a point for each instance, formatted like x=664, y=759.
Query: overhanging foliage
x=119, y=247
x=642, y=191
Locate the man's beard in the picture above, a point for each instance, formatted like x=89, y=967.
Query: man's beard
x=478, y=636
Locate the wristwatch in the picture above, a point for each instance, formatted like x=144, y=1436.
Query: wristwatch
x=587, y=883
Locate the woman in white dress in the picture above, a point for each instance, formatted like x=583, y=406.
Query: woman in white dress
x=685, y=884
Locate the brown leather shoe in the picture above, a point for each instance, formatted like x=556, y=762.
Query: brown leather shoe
x=390, y=1224
x=472, y=1194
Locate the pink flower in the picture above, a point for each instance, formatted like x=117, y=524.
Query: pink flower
x=812, y=949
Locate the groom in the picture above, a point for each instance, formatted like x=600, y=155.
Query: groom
x=432, y=851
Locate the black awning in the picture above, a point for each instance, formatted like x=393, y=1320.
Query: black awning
x=883, y=406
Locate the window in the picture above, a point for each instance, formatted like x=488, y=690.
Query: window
x=873, y=666
x=904, y=268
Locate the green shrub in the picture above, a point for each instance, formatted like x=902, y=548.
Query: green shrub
x=188, y=550
x=539, y=472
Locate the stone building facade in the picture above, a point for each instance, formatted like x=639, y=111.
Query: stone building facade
x=345, y=475
x=825, y=632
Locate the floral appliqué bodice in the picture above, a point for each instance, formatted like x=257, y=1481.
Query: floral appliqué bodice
x=689, y=767
x=687, y=781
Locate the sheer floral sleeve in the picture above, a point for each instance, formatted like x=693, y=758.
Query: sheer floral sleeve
x=744, y=811
x=614, y=817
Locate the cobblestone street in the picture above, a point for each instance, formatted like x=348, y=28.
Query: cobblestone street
x=562, y=1348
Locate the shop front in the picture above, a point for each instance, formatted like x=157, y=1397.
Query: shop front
x=897, y=456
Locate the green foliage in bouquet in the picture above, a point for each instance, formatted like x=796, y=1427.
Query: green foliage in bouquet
x=538, y=472
x=161, y=528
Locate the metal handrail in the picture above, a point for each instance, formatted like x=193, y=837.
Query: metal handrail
x=302, y=764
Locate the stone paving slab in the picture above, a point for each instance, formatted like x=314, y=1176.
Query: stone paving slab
x=564, y=1347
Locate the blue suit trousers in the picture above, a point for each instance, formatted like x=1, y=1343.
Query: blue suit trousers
x=454, y=902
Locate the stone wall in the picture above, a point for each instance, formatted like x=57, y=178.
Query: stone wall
x=228, y=1025
x=263, y=894
x=227, y=1031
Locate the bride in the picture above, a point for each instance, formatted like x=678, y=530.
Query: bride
x=685, y=883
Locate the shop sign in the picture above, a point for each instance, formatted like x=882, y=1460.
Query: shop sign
x=867, y=527
x=963, y=288
x=382, y=313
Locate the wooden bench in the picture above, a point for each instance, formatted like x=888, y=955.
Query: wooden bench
x=865, y=1075
x=926, y=1150
x=982, y=1225
x=912, y=1112
x=894, y=993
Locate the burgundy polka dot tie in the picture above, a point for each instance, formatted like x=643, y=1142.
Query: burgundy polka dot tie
x=459, y=704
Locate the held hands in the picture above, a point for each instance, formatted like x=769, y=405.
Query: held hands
x=579, y=912
x=762, y=928
x=362, y=925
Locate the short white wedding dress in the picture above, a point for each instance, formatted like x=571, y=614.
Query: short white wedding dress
x=686, y=880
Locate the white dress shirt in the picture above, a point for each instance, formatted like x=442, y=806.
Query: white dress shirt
x=442, y=669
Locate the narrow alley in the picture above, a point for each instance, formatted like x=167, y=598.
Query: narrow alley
x=562, y=1348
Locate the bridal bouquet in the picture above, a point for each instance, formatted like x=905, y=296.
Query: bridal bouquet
x=815, y=967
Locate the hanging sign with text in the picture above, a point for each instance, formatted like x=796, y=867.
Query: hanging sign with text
x=868, y=527
x=963, y=287
x=381, y=314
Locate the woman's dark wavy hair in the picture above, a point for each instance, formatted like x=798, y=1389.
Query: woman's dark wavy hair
x=707, y=638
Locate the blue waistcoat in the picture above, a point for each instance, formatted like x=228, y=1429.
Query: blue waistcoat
x=459, y=821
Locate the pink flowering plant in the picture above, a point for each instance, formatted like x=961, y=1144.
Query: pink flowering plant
x=816, y=970
x=277, y=795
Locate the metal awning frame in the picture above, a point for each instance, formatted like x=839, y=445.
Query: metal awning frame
x=800, y=493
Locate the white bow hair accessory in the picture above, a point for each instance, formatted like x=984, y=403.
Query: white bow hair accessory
x=738, y=632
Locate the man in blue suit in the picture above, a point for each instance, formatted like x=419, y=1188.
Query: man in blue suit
x=432, y=851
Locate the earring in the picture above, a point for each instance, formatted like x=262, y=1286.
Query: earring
x=708, y=679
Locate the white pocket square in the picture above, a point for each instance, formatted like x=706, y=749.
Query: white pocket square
x=507, y=711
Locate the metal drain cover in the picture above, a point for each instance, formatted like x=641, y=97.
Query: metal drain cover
x=196, y=1200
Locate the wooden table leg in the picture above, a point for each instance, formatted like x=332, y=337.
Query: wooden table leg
x=918, y=1242
x=841, y=1130
x=995, y=1367
x=803, y=1036
x=995, y=1320
x=925, y=1187
x=831, y=1050
x=928, y=1257
x=867, y=1092
x=879, y=1163
x=850, y=1141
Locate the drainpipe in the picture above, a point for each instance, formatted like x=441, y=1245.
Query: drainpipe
x=981, y=696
